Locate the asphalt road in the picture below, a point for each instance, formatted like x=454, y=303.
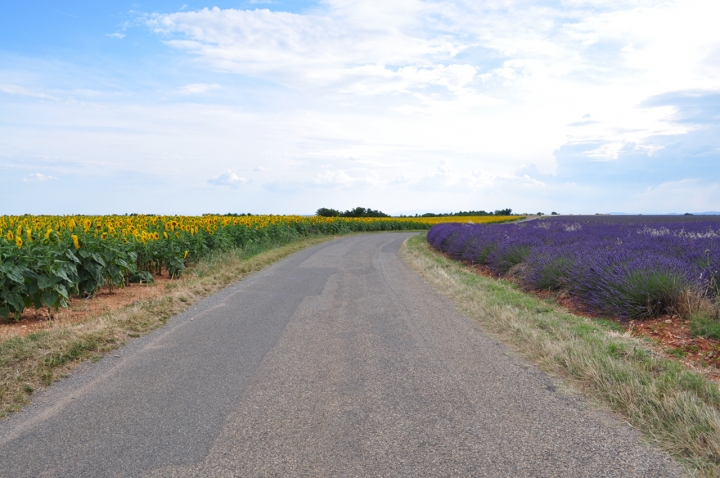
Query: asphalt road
x=338, y=361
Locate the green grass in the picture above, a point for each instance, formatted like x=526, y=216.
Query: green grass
x=38, y=359
x=705, y=327
x=676, y=409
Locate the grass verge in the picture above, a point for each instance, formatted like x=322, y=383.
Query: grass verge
x=676, y=409
x=705, y=327
x=36, y=360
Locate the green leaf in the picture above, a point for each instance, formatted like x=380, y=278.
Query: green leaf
x=16, y=276
x=44, y=281
x=62, y=290
x=69, y=254
x=62, y=274
x=98, y=258
x=16, y=301
x=50, y=298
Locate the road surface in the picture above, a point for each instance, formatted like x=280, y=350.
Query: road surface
x=337, y=361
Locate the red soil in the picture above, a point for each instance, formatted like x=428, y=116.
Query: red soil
x=671, y=334
x=79, y=309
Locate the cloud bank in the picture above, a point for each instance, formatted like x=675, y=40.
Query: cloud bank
x=574, y=105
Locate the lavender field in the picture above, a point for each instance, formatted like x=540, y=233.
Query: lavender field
x=631, y=267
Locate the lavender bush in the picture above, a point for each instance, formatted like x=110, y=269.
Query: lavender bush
x=632, y=269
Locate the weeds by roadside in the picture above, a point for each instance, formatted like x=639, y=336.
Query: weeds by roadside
x=30, y=362
x=703, y=326
x=676, y=409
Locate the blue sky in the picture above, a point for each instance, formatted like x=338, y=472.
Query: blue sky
x=575, y=106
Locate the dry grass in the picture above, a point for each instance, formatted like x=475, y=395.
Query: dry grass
x=692, y=303
x=36, y=360
x=676, y=409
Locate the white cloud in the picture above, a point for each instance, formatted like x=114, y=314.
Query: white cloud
x=607, y=151
x=23, y=91
x=336, y=49
x=347, y=178
x=228, y=178
x=37, y=177
x=198, y=88
x=117, y=35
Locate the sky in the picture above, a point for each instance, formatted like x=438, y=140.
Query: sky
x=407, y=106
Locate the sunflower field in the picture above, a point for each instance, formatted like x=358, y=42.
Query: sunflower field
x=46, y=259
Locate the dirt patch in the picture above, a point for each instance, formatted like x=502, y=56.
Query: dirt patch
x=672, y=333
x=79, y=309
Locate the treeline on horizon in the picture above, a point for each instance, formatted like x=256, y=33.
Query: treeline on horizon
x=367, y=212
x=356, y=212
x=498, y=212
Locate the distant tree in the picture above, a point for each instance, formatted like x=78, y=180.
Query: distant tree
x=356, y=212
x=687, y=214
x=325, y=212
x=470, y=213
x=363, y=212
x=366, y=212
x=554, y=213
x=540, y=214
x=465, y=213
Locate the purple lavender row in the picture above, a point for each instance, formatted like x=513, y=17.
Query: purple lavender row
x=630, y=270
